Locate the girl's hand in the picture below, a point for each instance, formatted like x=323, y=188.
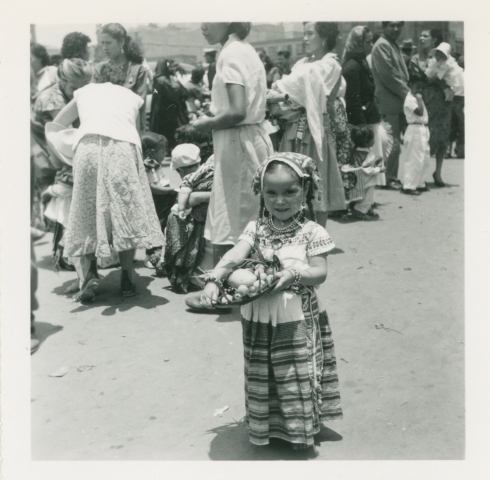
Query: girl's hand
x=182, y=214
x=209, y=295
x=286, y=278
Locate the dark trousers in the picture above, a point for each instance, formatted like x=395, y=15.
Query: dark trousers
x=398, y=125
x=457, y=125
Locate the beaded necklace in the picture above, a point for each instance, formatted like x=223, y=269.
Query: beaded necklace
x=294, y=225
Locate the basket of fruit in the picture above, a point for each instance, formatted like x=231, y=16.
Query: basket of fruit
x=247, y=282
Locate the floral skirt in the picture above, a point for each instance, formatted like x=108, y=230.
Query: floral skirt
x=112, y=203
x=291, y=382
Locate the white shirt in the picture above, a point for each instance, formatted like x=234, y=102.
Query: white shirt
x=410, y=106
x=109, y=110
x=239, y=64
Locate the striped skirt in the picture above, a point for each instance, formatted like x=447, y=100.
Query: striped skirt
x=291, y=382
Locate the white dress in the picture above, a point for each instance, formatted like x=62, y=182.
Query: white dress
x=238, y=151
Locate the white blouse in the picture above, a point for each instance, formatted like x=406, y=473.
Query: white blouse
x=238, y=63
x=109, y=110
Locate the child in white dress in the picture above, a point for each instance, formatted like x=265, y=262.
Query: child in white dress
x=291, y=383
x=415, y=153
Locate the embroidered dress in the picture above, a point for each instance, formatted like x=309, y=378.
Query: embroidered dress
x=291, y=382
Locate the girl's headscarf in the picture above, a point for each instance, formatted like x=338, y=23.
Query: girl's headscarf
x=354, y=45
x=305, y=167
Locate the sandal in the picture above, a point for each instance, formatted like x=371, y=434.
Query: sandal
x=367, y=217
x=128, y=288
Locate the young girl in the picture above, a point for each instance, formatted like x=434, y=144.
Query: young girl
x=185, y=242
x=415, y=153
x=291, y=382
x=154, y=148
x=366, y=167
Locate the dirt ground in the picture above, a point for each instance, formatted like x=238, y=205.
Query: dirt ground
x=160, y=371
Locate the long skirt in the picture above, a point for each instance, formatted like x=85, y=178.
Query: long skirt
x=331, y=195
x=238, y=153
x=291, y=382
x=439, y=118
x=414, y=157
x=111, y=203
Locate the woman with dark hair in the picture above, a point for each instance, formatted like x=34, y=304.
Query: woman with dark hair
x=44, y=73
x=438, y=108
x=312, y=87
x=241, y=144
x=75, y=46
x=124, y=65
x=268, y=65
x=360, y=100
x=168, y=103
x=111, y=206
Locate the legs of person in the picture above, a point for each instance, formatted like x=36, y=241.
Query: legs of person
x=425, y=164
x=321, y=218
x=126, y=258
x=393, y=159
x=365, y=204
x=411, y=158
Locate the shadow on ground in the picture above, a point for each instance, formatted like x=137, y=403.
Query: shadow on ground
x=232, y=443
x=45, y=330
x=109, y=295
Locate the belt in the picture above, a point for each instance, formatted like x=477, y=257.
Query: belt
x=419, y=123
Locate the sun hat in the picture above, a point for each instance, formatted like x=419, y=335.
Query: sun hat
x=60, y=139
x=445, y=48
x=185, y=155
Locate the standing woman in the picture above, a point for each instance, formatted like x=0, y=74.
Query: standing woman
x=312, y=87
x=124, y=64
x=111, y=202
x=241, y=144
x=168, y=103
x=438, y=108
x=362, y=108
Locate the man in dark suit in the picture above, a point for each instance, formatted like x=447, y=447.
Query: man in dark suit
x=391, y=83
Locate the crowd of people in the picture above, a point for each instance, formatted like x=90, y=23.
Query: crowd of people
x=266, y=154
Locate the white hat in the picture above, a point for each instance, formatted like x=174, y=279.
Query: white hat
x=445, y=48
x=185, y=155
x=61, y=140
x=210, y=50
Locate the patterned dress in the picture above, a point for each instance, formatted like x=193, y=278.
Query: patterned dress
x=111, y=203
x=185, y=242
x=291, y=382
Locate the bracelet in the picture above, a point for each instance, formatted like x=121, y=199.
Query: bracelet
x=297, y=276
x=212, y=278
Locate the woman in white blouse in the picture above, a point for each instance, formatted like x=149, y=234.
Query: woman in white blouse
x=313, y=86
x=241, y=144
x=111, y=203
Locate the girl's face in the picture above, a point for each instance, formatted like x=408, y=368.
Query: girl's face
x=159, y=153
x=368, y=43
x=183, y=171
x=282, y=193
x=426, y=42
x=215, y=32
x=110, y=46
x=439, y=56
x=70, y=86
x=311, y=40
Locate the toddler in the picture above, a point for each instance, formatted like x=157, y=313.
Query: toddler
x=415, y=152
x=155, y=149
x=366, y=166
